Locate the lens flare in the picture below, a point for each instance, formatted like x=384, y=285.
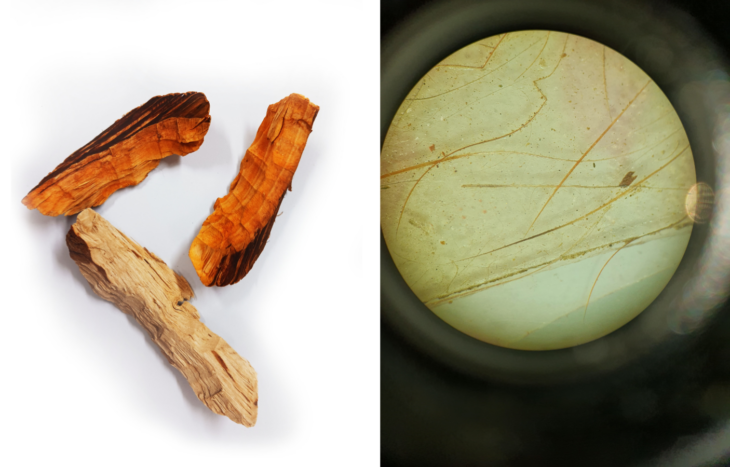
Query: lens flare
x=699, y=201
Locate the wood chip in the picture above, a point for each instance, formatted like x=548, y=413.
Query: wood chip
x=233, y=236
x=141, y=284
x=123, y=154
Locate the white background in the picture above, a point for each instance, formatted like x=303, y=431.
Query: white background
x=82, y=383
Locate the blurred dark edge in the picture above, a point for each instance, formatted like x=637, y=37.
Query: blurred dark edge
x=666, y=413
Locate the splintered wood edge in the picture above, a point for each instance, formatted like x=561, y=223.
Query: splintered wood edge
x=142, y=285
x=123, y=154
x=249, y=210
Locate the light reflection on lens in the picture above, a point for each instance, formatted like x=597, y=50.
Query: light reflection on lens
x=699, y=202
x=709, y=287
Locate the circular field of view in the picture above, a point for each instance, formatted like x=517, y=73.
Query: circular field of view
x=534, y=190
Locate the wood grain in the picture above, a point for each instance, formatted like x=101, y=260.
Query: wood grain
x=233, y=236
x=140, y=284
x=123, y=154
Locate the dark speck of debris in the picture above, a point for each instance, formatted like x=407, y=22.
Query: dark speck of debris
x=432, y=147
x=628, y=179
x=594, y=164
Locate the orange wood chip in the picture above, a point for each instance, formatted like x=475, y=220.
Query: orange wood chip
x=233, y=236
x=123, y=154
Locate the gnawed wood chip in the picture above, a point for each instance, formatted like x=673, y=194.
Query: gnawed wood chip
x=141, y=284
x=123, y=154
x=233, y=236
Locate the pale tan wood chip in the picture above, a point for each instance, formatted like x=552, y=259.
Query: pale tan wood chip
x=142, y=285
